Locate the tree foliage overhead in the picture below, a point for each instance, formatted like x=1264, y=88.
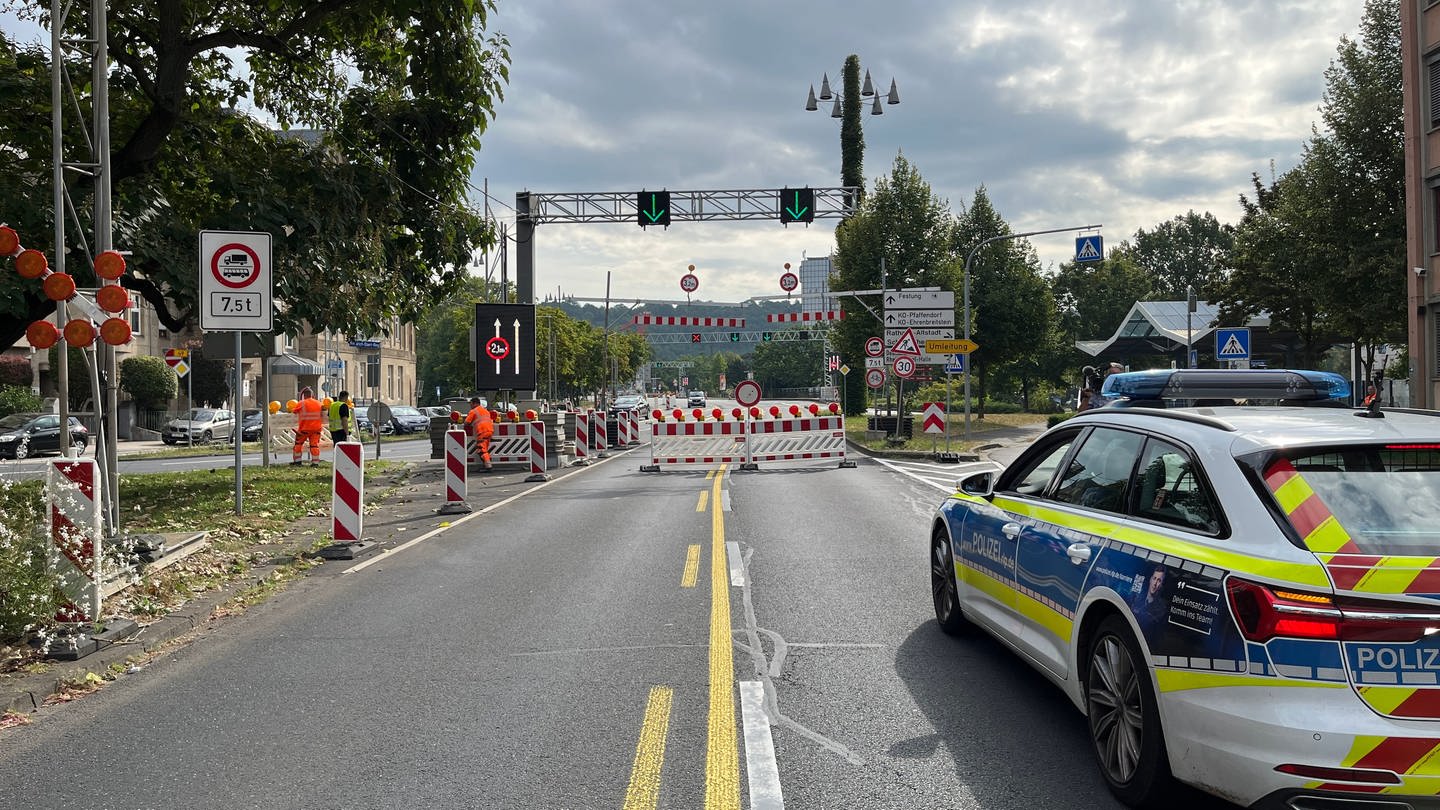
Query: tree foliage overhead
x=1187, y=251
x=367, y=204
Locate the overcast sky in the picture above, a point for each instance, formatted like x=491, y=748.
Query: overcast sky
x=1069, y=112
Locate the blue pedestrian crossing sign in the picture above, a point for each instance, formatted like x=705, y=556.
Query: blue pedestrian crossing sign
x=956, y=364
x=1089, y=248
x=1232, y=344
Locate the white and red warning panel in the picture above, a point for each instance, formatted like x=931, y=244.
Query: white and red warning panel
x=237, y=282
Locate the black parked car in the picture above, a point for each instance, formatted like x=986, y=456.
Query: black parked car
x=251, y=426
x=27, y=434
x=405, y=419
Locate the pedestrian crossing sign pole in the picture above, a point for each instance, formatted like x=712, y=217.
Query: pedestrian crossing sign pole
x=1233, y=345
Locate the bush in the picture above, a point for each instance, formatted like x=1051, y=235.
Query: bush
x=149, y=381
x=1056, y=418
x=18, y=399
x=15, y=370
x=27, y=590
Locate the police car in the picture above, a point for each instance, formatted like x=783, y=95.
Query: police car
x=1234, y=575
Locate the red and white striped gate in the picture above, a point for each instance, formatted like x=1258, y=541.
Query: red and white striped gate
x=515, y=443
x=798, y=439
x=75, y=537
x=348, y=487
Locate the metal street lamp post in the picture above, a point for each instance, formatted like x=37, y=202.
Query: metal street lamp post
x=969, y=258
x=847, y=109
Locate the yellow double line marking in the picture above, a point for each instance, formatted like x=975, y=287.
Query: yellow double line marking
x=722, y=759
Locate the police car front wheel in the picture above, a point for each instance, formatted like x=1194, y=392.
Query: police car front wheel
x=1124, y=718
x=942, y=584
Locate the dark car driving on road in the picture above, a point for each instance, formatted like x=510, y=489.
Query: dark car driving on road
x=26, y=434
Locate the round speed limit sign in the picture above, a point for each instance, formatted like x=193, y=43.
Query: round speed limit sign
x=904, y=367
x=689, y=282
x=789, y=282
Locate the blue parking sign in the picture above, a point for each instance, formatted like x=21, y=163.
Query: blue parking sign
x=1232, y=344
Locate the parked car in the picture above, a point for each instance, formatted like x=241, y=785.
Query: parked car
x=407, y=419
x=252, y=424
x=27, y=434
x=199, y=426
x=697, y=399
x=629, y=403
x=437, y=410
x=1237, y=596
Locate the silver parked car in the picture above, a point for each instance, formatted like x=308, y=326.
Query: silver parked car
x=199, y=426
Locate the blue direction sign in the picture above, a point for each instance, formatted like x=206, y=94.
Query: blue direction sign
x=1089, y=248
x=956, y=364
x=1232, y=344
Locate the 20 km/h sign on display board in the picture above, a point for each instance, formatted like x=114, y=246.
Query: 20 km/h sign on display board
x=236, y=282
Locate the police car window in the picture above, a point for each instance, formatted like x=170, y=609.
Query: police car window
x=1171, y=490
x=1032, y=477
x=1098, y=476
x=1386, y=498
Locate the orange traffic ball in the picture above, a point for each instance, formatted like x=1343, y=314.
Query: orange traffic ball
x=59, y=286
x=736, y=413
x=326, y=402
x=115, y=331
x=679, y=415
x=110, y=265
x=113, y=298
x=9, y=241
x=31, y=264
x=274, y=406
x=530, y=415
x=80, y=333
x=291, y=405
x=814, y=409
x=794, y=410
x=718, y=413
x=42, y=334
x=658, y=415
x=755, y=412
x=835, y=407
x=774, y=411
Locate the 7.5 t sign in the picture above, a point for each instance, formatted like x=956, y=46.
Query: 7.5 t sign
x=236, y=281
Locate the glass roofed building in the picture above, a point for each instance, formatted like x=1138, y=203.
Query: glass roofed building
x=1161, y=328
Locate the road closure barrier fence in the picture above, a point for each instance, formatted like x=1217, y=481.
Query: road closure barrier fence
x=515, y=443
x=748, y=442
x=71, y=488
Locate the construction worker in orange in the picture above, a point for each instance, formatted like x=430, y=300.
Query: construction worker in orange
x=482, y=426
x=312, y=422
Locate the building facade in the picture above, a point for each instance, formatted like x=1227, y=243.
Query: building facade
x=1420, y=57
x=815, y=285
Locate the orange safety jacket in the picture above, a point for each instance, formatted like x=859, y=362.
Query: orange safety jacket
x=480, y=422
x=311, y=415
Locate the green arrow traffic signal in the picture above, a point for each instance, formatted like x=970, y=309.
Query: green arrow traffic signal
x=652, y=208
x=734, y=337
x=765, y=336
x=797, y=205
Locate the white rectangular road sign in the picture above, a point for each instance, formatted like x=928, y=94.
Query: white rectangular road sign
x=921, y=335
x=875, y=362
x=901, y=318
x=914, y=299
x=236, y=282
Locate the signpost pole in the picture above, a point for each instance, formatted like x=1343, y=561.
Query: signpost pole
x=190, y=404
x=237, y=412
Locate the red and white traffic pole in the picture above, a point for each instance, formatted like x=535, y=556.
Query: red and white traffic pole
x=582, y=438
x=600, y=443
x=347, y=503
x=456, y=470
x=537, y=452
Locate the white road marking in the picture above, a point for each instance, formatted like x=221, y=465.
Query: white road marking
x=939, y=476
x=737, y=566
x=761, y=772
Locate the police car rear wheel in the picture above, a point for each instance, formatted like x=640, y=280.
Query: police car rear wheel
x=942, y=585
x=1123, y=717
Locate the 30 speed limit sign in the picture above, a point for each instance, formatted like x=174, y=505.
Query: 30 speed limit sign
x=904, y=367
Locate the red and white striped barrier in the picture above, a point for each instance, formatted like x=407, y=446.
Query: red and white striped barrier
x=806, y=317
x=537, y=452
x=634, y=428
x=348, y=487
x=515, y=443
x=75, y=537
x=582, y=438
x=622, y=428
x=456, y=485
x=687, y=443
x=685, y=320
x=601, y=444
x=797, y=439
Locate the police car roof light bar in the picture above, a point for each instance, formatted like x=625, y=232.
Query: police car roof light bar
x=1250, y=384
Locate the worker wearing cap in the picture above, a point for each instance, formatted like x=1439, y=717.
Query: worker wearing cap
x=312, y=422
x=482, y=426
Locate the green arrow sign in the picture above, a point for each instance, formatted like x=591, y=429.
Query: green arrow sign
x=653, y=208
x=797, y=211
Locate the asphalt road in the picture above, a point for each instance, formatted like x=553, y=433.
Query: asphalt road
x=557, y=653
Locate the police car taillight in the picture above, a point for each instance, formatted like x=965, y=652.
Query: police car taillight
x=1264, y=613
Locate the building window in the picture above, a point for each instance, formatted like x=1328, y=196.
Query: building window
x=1433, y=76
x=135, y=321
x=1434, y=219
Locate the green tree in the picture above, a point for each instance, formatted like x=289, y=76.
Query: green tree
x=15, y=370
x=149, y=381
x=786, y=364
x=1010, y=301
x=1093, y=297
x=909, y=229
x=367, y=207
x=1190, y=250
x=18, y=399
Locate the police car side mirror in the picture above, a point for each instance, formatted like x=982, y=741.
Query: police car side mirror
x=981, y=483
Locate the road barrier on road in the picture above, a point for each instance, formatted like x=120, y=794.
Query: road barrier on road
x=515, y=443
x=582, y=437
x=622, y=429
x=600, y=438
x=689, y=443
x=798, y=439
x=455, y=474
x=679, y=444
x=634, y=419
x=348, y=492
x=75, y=537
